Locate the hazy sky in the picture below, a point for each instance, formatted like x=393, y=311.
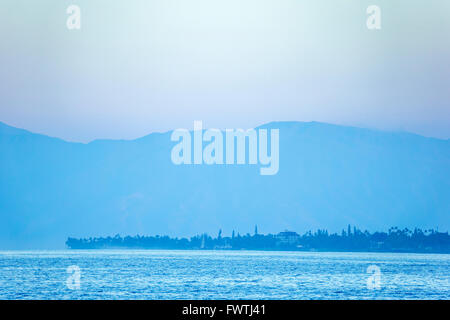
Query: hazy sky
x=140, y=66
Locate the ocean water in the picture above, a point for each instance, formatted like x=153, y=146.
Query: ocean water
x=160, y=274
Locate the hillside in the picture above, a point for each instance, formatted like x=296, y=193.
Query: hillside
x=329, y=176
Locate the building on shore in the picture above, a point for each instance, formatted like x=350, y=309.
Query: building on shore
x=288, y=238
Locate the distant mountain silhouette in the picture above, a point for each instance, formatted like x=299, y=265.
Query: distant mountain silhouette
x=330, y=176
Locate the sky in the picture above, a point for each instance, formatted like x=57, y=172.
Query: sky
x=142, y=66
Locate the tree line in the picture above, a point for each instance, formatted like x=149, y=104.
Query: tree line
x=352, y=239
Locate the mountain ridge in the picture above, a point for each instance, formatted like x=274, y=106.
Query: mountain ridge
x=329, y=176
x=264, y=125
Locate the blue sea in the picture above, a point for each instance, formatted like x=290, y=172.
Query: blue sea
x=160, y=274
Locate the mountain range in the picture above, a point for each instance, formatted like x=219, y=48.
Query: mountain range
x=329, y=176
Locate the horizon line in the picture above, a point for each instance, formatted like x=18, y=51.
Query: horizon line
x=255, y=127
